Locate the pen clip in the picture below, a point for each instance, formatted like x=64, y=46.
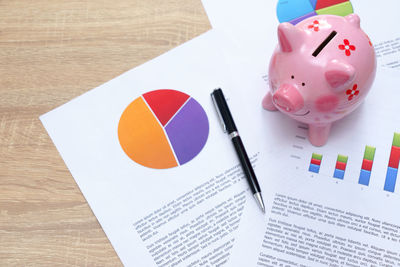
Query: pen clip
x=218, y=112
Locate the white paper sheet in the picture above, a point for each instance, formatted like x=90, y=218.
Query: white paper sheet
x=182, y=216
x=318, y=220
x=252, y=24
x=380, y=23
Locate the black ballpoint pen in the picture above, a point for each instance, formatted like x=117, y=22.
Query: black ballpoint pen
x=229, y=127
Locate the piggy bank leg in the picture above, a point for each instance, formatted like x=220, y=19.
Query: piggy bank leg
x=267, y=102
x=318, y=134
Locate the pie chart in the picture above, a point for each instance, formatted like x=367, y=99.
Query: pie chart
x=294, y=11
x=163, y=128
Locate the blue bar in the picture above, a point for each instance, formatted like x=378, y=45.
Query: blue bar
x=364, y=177
x=390, y=181
x=314, y=168
x=338, y=174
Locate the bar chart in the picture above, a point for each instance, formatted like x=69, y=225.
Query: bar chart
x=388, y=154
x=340, y=167
x=393, y=165
x=315, y=163
x=366, y=167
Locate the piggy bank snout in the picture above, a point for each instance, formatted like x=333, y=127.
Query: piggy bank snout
x=288, y=98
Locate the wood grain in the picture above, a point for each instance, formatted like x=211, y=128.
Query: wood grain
x=51, y=52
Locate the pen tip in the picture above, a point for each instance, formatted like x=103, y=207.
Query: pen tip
x=260, y=201
x=262, y=207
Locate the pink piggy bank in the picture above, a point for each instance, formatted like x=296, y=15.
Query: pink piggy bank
x=321, y=71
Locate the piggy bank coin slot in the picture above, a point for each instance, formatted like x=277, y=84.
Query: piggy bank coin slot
x=324, y=43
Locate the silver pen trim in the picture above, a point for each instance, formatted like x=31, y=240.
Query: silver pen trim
x=233, y=134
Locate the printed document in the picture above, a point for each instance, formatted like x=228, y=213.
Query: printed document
x=334, y=205
x=148, y=152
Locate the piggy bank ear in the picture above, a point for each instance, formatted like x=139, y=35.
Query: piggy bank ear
x=289, y=37
x=353, y=19
x=339, y=74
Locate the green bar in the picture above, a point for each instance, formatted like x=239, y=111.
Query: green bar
x=369, y=153
x=342, y=158
x=342, y=9
x=316, y=156
x=396, y=140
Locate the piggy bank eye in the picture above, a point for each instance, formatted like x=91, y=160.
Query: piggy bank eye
x=292, y=77
x=303, y=84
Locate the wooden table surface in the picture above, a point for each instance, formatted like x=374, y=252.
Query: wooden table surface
x=51, y=52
